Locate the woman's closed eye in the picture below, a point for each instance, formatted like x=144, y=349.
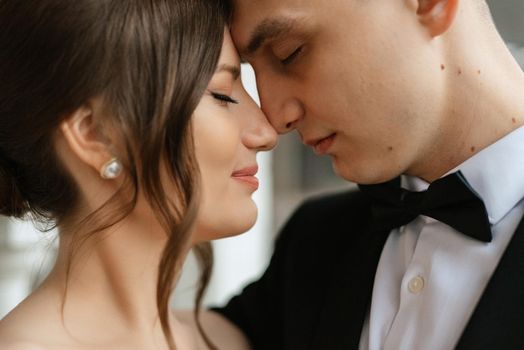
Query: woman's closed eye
x=223, y=99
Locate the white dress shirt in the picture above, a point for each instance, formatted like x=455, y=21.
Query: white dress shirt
x=430, y=277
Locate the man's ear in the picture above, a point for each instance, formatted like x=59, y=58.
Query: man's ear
x=81, y=133
x=437, y=15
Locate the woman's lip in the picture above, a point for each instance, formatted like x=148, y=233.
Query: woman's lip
x=247, y=176
x=248, y=171
x=323, y=146
x=252, y=181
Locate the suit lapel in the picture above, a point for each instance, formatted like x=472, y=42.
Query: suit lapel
x=498, y=320
x=349, y=294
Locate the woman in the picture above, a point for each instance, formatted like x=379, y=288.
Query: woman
x=125, y=124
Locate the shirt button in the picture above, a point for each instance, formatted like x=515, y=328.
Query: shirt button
x=416, y=285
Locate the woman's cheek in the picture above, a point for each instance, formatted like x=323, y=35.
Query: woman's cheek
x=216, y=140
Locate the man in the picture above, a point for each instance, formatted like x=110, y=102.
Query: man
x=425, y=89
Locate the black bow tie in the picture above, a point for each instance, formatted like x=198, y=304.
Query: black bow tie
x=449, y=200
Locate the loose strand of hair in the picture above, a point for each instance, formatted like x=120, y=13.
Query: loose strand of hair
x=204, y=255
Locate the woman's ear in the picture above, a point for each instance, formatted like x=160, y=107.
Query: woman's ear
x=437, y=15
x=81, y=132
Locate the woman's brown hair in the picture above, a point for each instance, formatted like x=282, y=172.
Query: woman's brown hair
x=151, y=60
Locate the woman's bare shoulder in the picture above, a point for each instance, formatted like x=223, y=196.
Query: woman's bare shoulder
x=21, y=333
x=223, y=333
x=28, y=327
x=13, y=337
x=14, y=334
x=21, y=345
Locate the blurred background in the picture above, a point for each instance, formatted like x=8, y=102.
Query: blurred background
x=288, y=174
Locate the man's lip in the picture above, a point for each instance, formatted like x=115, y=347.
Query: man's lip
x=321, y=145
x=314, y=142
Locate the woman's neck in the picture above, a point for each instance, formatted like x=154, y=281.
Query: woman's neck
x=108, y=283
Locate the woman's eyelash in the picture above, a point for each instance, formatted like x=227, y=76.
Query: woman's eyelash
x=223, y=98
x=289, y=59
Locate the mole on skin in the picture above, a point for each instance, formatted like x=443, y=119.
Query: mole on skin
x=473, y=149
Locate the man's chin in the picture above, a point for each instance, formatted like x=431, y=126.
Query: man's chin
x=343, y=170
x=363, y=174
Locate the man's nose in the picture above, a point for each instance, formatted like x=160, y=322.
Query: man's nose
x=280, y=104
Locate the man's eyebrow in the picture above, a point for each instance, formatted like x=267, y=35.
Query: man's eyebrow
x=234, y=70
x=268, y=29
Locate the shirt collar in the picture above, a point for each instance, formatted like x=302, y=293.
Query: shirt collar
x=496, y=173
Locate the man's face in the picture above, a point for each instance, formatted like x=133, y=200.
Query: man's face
x=360, y=80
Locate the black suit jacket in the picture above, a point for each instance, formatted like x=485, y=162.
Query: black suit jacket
x=317, y=289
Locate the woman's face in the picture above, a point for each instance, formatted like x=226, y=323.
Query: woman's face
x=229, y=129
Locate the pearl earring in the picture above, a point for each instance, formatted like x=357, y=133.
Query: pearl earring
x=112, y=169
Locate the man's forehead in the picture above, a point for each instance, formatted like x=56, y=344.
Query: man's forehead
x=268, y=29
x=256, y=20
x=248, y=13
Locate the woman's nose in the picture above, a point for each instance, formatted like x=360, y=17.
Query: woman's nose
x=258, y=133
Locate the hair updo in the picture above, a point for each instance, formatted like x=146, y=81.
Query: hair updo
x=151, y=61
x=12, y=202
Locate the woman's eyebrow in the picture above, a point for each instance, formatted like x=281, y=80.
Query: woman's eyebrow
x=234, y=70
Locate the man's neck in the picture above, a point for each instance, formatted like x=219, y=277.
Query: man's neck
x=485, y=102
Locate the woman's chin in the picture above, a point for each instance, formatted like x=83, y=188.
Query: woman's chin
x=238, y=222
x=244, y=225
